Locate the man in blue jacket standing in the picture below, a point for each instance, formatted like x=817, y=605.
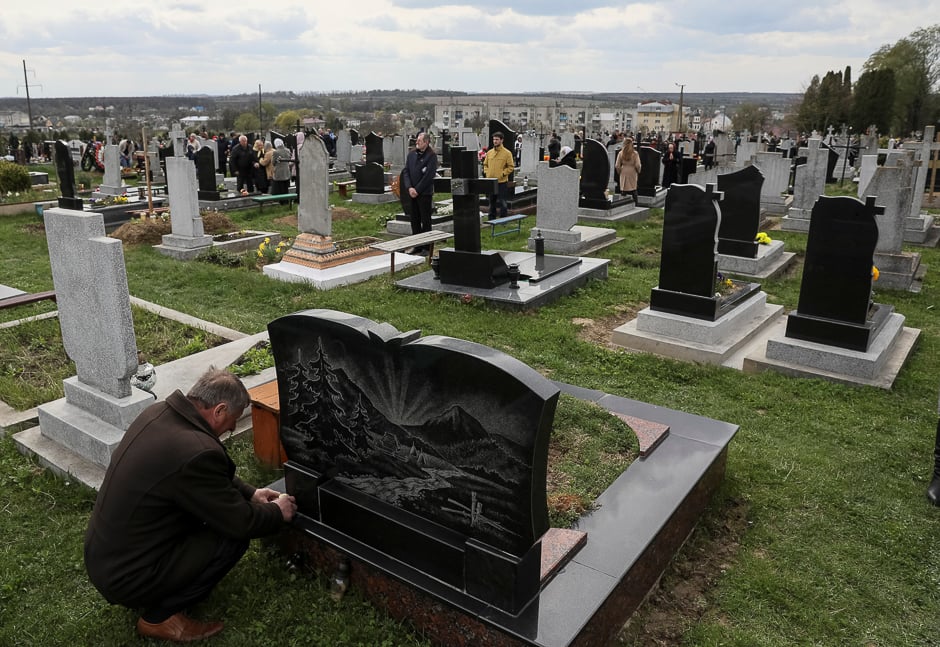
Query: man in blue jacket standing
x=417, y=180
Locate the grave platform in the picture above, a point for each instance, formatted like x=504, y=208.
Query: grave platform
x=528, y=295
x=626, y=213
x=698, y=340
x=902, y=271
x=400, y=225
x=796, y=220
x=771, y=260
x=576, y=241
x=878, y=366
x=339, y=275
x=640, y=523
x=374, y=198
x=921, y=231
x=656, y=200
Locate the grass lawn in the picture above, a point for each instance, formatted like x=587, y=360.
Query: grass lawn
x=820, y=534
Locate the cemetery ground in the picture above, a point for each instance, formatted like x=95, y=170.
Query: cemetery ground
x=819, y=535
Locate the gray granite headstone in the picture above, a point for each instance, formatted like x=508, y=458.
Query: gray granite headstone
x=891, y=187
x=557, y=197
x=530, y=155
x=471, y=141
x=866, y=172
x=91, y=293
x=111, y=184
x=355, y=154
x=397, y=151
x=567, y=139
x=186, y=222
x=810, y=182
x=724, y=150
x=343, y=146
x=744, y=153
x=313, y=214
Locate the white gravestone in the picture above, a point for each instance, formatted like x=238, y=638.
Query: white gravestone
x=188, y=238
x=556, y=215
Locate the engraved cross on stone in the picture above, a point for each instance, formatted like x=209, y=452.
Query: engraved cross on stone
x=108, y=133
x=466, y=188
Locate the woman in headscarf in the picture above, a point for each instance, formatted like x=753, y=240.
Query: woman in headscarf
x=261, y=175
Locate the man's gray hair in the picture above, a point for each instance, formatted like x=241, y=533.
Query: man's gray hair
x=217, y=385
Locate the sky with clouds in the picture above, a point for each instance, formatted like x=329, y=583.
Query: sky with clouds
x=76, y=48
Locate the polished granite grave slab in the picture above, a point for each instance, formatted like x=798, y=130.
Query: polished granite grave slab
x=640, y=523
x=549, y=282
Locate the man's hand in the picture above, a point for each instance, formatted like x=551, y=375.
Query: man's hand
x=412, y=192
x=287, y=505
x=264, y=495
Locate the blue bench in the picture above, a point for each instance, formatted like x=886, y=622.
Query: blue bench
x=261, y=199
x=506, y=220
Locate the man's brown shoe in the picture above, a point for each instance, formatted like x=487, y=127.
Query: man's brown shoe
x=179, y=628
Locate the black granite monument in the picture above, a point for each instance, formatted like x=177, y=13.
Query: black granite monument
x=835, y=306
x=595, y=178
x=651, y=161
x=205, y=174
x=374, y=151
x=740, y=212
x=428, y=452
x=370, y=178
x=66, y=171
x=688, y=270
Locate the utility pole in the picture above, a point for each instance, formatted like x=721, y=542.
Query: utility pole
x=260, y=121
x=29, y=105
x=681, y=87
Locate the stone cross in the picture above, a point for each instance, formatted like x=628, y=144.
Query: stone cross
x=108, y=133
x=186, y=221
x=466, y=188
x=178, y=137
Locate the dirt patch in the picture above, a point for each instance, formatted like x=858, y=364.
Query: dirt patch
x=682, y=596
x=342, y=213
x=150, y=231
x=597, y=331
x=287, y=221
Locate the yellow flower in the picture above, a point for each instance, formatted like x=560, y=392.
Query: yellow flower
x=763, y=238
x=267, y=240
x=260, y=255
x=874, y=273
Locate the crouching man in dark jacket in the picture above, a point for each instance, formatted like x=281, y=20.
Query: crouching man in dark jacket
x=171, y=518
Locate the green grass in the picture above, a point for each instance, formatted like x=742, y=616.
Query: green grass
x=835, y=544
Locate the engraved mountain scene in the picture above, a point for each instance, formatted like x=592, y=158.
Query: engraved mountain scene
x=406, y=424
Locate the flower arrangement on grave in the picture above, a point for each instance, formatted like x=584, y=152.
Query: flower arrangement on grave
x=723, y=284
x=268, y=253
x=763, y=239
x=874, y=273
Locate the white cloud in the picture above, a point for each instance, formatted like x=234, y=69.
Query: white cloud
x=229, y=46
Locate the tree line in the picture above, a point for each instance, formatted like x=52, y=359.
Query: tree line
x=898, y=91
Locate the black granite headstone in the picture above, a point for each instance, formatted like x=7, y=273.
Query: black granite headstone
x=445, y=148
x=370, y=178
x=508, y=140
x=65, y=169
x=651, y=161
x=835, y=306
x=831, y=162
x=740, y=212
x=205, y=174
x=432, y=452
x=374, y=152
x=595, y=175
x=353, y=137
x=688, y=268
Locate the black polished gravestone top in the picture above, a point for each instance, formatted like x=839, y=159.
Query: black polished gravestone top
x=445, y=148
x=595, y=178
x=65, y=168
x=509, y=135
x=831, y=161
x=651, y=161
x=353, y=137
x=290, y=141
x=740, y=212
x=835, y=305
x=688, y=267
x=370, y=178
x=374, y=152
x=465, y=264
x=205, y=174
x=432, y=451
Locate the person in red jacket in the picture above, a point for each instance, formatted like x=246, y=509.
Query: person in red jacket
x=171, y=518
